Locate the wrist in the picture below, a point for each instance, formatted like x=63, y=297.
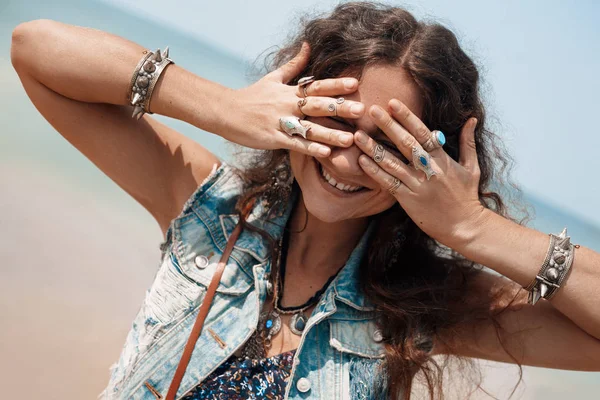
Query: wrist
x=471, y=231
x=182, y=95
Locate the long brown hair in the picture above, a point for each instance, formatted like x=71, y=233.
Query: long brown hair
x=419, y=287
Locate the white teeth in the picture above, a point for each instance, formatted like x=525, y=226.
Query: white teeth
x=340, y=186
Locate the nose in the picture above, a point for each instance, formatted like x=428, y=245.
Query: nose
x=345, y=161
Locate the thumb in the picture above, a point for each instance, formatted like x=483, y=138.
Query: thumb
x=292, y=68
x=468, y=151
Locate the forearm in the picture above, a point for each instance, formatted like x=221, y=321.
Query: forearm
x=89, y=65
x=517, y=252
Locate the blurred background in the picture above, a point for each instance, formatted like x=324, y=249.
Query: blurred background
x=78, y=253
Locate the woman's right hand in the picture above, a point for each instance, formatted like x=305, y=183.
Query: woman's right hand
x=252, y=116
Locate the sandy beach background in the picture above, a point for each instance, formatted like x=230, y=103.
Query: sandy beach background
x=77, y=253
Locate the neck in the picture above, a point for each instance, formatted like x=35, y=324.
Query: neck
x=321, y=247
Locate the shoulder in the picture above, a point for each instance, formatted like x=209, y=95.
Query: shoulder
x=216, y=195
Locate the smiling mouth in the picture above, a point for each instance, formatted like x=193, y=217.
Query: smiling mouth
x=338, y=185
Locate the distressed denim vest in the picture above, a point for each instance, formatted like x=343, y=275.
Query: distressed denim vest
x=339, y=353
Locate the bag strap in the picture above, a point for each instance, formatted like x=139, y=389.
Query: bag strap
x=204, y=308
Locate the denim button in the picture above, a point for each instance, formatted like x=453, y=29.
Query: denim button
x=201, y=261
x=377, y=336
x=303, y=385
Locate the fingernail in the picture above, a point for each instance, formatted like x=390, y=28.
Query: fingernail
x=357, y=109
x=349, y=83
x=324, y=151
x=376, y=112
x=396, y=106
x=361, y=137
x=346, y=138
x=363, y=160
x=475, y=123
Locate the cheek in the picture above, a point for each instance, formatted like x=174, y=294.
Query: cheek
x=382, y=202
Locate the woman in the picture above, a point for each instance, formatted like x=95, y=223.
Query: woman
x=355, y=261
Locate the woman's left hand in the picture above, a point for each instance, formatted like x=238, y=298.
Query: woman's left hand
x=447, y=205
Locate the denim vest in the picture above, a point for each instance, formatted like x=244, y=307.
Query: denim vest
x=340, y=350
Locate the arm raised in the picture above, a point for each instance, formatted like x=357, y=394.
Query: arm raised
x=78, y=79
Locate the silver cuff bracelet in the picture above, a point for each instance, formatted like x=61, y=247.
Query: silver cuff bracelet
x=144, y=79
x=554, y=270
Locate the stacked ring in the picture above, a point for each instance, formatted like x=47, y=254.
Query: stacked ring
x=395, y=185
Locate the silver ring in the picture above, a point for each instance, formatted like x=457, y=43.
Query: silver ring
x=395, y=185
x=301, y=103
x=292, y=126
x=332, y=108
x=379, y=153
x=340, y=100
x=436, y=140
x=304, y=82
x=421, y=160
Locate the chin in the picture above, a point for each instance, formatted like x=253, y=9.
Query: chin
x=330, y=202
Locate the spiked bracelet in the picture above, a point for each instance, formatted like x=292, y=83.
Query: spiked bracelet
x=554, y=270
x=144, y=79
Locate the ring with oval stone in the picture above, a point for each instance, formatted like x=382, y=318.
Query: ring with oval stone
x=435, y=141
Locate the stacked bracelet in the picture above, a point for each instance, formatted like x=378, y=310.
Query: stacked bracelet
x=554, y=270
x=144, y=79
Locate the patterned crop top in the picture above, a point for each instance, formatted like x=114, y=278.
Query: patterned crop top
x=240, y=378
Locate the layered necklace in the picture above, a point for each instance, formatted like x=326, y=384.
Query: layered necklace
x=269, y=323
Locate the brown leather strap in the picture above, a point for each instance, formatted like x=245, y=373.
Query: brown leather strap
x=206, y=303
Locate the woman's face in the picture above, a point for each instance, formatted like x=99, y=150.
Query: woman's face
x=378, y=85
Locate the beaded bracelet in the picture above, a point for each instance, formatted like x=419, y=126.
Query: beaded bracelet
x=144, y=79
x=554, y=270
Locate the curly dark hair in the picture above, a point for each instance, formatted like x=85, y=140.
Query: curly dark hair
x=419, y=287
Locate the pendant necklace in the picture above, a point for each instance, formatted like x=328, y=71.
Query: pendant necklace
x=269, y=323
x=299, y=320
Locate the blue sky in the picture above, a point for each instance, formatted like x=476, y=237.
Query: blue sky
x=539, y=60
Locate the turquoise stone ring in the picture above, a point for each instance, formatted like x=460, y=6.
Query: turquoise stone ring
x=421, y=160
x=435, y=141
x=292, y=126
x=439, y=137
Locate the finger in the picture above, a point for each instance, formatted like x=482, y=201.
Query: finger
x=329, y=87
x=468, y=149
x=329, y=107
x=411, y=123
x=292, y=68
x=396, y=132
x=395, y=186
x=388, y=161
x=304, y=146
x=322, y=134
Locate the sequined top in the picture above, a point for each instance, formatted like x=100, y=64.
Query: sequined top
x=239, y=378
